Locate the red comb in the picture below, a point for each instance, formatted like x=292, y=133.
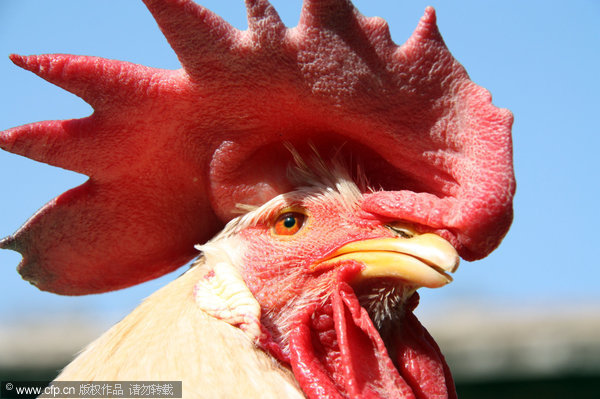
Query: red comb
x=170, y=153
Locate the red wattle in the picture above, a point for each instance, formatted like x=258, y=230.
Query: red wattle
x=336, y=352
x=421, y=362
x=366, y=367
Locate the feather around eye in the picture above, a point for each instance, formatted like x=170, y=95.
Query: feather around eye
x=288, y=223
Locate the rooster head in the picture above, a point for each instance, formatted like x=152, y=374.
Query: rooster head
x=333, y=288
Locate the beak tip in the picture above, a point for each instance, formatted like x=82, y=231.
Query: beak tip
x=455, y=265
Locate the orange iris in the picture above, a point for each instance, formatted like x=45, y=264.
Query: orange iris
x=288, y=223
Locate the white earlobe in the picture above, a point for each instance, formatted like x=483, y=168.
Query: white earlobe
x=223, y=294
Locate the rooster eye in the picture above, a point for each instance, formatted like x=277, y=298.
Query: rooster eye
x=288, y=223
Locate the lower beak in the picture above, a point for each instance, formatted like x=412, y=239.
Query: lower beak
x=421, y=260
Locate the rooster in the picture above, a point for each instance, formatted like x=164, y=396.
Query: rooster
x=309, y=277
x=311, y=290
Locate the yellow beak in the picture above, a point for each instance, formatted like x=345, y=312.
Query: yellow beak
x=421, y=260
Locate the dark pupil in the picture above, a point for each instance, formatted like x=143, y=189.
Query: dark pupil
x=289, y=222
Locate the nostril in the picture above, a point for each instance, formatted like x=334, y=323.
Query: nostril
x=401, y=229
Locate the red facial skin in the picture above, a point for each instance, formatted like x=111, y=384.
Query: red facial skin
x=314, y=320
x=285, y=261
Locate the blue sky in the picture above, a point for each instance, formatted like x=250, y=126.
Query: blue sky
x=540, y=59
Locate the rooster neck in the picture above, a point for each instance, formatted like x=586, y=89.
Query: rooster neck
x=169, y=338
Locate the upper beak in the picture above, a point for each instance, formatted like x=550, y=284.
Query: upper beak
x=421, y=260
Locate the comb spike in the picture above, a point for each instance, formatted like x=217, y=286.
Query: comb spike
x=264, y=21
x=426, y=28
x=378, y=31
x=50, y=142
x=198, y=36
x=334, y=14
x=8, y=243
x=98, y=81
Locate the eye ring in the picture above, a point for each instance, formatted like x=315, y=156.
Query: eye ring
x=288, y=223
